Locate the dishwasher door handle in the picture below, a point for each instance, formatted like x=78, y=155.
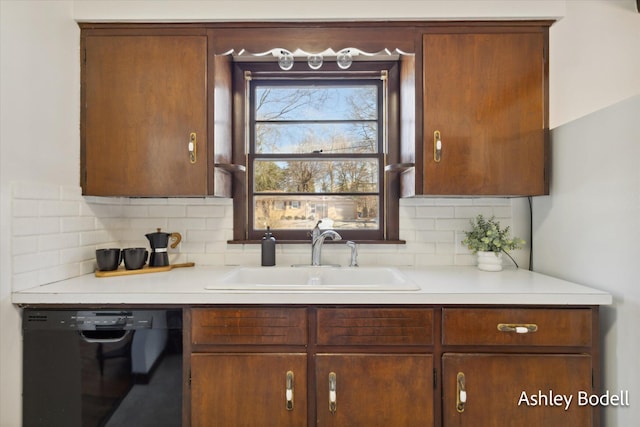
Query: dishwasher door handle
x=110, y=339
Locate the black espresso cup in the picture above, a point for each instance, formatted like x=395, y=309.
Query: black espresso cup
x=108, y=259
x=134, y=258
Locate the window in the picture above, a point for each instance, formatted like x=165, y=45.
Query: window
x=315, y=149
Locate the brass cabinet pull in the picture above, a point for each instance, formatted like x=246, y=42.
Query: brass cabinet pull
x=332, y=393
x=518, y=328
x=193, y=148
x=461, y=392
x=289, y=392
x=437, y=146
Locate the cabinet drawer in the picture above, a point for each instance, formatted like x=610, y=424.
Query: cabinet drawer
x=376, y=326
x=249, y=326
x=537, y=327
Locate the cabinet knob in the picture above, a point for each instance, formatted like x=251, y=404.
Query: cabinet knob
x=193, y=148
x=332, y=393
x=289, y=391
x=437, y=146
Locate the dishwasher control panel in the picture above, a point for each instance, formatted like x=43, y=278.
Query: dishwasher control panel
x=89, y=320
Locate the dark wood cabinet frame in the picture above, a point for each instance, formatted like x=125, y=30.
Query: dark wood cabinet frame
x=225, y=127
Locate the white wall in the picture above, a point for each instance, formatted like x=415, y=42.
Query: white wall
x=594, y=58
x=218, y=10
x=588, y=229
x=40, y=91
x=39, y=141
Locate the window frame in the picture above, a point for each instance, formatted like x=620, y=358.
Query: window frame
x=388, y=186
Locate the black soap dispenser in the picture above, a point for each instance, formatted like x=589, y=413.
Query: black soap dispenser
x=268, y=249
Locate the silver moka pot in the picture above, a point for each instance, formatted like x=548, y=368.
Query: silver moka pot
x=159, y=242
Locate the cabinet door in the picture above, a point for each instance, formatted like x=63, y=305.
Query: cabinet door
x=143, y=97
x=484, y=93
x=249, y=390
x=515, y=390
x=374, y=390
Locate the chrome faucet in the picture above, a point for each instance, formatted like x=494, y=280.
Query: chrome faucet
x=317, y=240
x=354, y=253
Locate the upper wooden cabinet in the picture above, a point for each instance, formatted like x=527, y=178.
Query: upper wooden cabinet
x=480, y=88
x=484, y=111
x=144, y=101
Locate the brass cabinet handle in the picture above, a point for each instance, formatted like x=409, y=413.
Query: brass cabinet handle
x=518, y=328
x=289, y=391
x=461, y=392
x=332, y=393
x=193, y=148
x=437, y=146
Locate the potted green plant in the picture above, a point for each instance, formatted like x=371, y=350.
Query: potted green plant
x=489, y=241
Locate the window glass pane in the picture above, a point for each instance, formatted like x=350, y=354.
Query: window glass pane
x=316, y=176
x=316, y=102
x=302, y=212
x=300, y=138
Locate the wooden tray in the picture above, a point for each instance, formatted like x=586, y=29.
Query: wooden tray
x=144, y=270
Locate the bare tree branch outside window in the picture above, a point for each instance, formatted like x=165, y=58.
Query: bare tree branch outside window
x=317, y=154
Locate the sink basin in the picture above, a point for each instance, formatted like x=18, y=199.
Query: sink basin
x=315, y=279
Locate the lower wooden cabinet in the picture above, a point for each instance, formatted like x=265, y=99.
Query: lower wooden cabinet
x=395, y=366
x=374, y=390
x=247, y=389
x=485, y=390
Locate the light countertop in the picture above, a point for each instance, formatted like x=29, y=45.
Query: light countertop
x=437, y=285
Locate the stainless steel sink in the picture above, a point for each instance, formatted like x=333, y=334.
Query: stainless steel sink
x=315, y=279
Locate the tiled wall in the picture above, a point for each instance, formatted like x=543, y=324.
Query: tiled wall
x=55, y=231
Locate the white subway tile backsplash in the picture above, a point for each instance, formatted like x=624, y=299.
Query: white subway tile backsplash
x=55, y=231
x=472, y=211
x=414, y=247
x=502, y=211
x=35, y=261
x=203, y=236
x=205, y=211
x=145, y=201
x=111, y=223
x=167, y=211
x=491, y=201
x=78, y=223
x=418, y=223
x=452, y=224
x=426, y=260
x=51, y=242
x=71, y=193
x=59, y=208
x=22, y=281
x=95, y=237
x=77, y=254
x=449, y=201
x=435, y=236
x=435, y=211
x=148, y=225
x=178, y=224
x=24, y=208
x=24, y=245
x=35, y=226
x=135, y=211
x=59, y=272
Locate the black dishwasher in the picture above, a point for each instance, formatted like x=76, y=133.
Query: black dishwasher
x=102, y=368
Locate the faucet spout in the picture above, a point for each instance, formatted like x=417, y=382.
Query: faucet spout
x=317, y=240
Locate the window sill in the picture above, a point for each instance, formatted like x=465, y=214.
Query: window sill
x=326, y=242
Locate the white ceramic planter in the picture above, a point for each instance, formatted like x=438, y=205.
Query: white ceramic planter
x=490, y=261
